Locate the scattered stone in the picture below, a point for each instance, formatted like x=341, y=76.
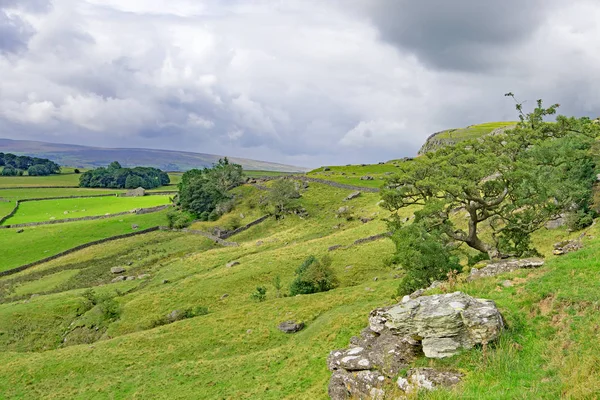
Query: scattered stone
x=504, y=266
x=445, y=324
x=428, y=379
x=143, y=276
x=129, y=263
x=130, y=278
x=326, y=169
x=342, y=210
x=174, y=315
x=20, y=230
x=368, y=289
x=435, y=284
x=507, y=283
x=335, y=247
x=232, y=264
x=348, y=267
x=66, y=212
x=242, y=216
x=558, y=222
x=117, y=270
x=134, y=226
x=375, y=279
x=259, y=243
x=352, y=196
x=226, y=295
x=165, y=281
x=290, y=326
x=119, y=279
x=567, y=246
x=364, y=220
x=366, y=178
x=249, y=331
x=33, y=296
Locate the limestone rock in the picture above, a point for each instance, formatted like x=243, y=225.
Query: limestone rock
x=117, y=270
x=130, y=278
x=366, y=178
x=557, y=222
x=357, y=385
x=143, y=276
x=445, y=324
x=20, y=230
x=290, y=326
x=352, y=196
x=504, y=266
x=232, y=264
x=428, y=379
x=567, y=246
x=119, y=279
x=134, y=226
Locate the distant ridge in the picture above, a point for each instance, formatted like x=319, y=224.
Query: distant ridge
x=168, y=160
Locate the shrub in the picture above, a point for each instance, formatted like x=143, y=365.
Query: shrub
x=178, y=219
x=314, y=276
x=423, y=255
x=260, y=294
x=77, y=171
x=281, y=197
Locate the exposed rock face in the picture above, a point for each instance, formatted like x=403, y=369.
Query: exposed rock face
x=427, y=379
x=438, y=326
x=290, y=326
x=352, y=196
x=444, y=324
x=567, y=246
x=557, y=222
x=504, y=266
x=117, y=270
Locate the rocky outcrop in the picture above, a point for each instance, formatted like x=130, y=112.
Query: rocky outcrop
x=437, y=326
x=352, y=196
x=290, y=326
x=117, y=270
x=418, y=379
x=504, y=266
x=567, y=246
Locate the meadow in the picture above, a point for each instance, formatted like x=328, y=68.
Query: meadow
x=57, y=209
x=50, y=331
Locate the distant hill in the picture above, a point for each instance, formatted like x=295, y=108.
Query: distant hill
x=167, y=160
x=451, y=136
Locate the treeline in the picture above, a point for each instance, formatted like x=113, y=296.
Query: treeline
x=117, y=177
x=17, y=165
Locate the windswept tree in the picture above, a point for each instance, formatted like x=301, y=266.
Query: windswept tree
x=511, y=183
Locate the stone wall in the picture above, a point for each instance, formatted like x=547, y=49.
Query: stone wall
x=77, y=248
x=241, y=229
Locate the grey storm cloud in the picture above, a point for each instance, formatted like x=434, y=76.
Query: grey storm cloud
x=357, y=81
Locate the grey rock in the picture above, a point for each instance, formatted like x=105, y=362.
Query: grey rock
x=134, y=226
x=164, y=281
x=143, y=276
x=290, y=326
x=445, y=324
x=375, y=279
x=174, y=315
x=364, y=220
x=232, y=264
x=352, y=196
x=504, y=266
x=418, y=379
x=117, y=270
x=567, y=246
x=342, y=210
x=357, y=385
x=558, y=222
x=130, y=278
x=226, y=295
x=119, y=279
x=326, y=169
x=335, y=247
x=507, y=283
x=20, y=230
x=366, y=178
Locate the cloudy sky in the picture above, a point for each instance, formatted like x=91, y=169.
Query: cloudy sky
x=304, y=82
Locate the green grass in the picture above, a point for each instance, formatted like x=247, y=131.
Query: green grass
x=351, y=174
x=17, y=248
x=47, y=210
x=550, y=350
x=259, y=174
x=63, y=179
x=473, y=131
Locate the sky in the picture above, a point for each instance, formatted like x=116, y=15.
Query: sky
x=302, y=82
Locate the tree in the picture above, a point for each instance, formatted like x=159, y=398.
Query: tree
x=10, y=171
x=511, y=183
x=200, y=191
x=118, y=177
x=281, y=197
x=314, y=276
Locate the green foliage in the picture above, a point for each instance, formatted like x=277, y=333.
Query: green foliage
x=423, y=255
x=114, y=176
x=314, y=276
x=109, y=308
x=260, y=294
x=513, y=182
x=281, y=199
x=201, y=191
x=277, y=285
x=178, y=219
x=15, y=165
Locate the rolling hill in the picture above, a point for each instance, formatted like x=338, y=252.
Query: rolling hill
x=91, y=157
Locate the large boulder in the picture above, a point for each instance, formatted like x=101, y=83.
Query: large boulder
x=501, y=267
x=290, y=326
x=445, y=324
x=567, y=246
x=117, y=270
x=439, y=326
x=352, y=196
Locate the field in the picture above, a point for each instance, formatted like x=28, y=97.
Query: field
x=55, y=344
x=351, y=174
x=47, y=210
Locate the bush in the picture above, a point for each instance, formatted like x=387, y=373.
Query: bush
x=77, y=171
x=314, y=276
x=260, y=294
x=178, y=219
x=423, y=255
x=281, y=197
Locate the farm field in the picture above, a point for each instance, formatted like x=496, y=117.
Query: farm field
x=18, y=249
x=47, y=210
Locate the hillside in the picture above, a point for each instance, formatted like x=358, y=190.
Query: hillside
x=451, y=136
x=182, y=323
x=167, y=160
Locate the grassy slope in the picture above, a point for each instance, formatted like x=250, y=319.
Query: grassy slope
x=39, y=211
x=473, y=131
x=351, y=174
x=19, y=248
x=550, y=350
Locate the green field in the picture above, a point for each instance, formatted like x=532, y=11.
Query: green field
x=473, y=131
x=351, y=174
x=48, y=210
x=51, y=239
